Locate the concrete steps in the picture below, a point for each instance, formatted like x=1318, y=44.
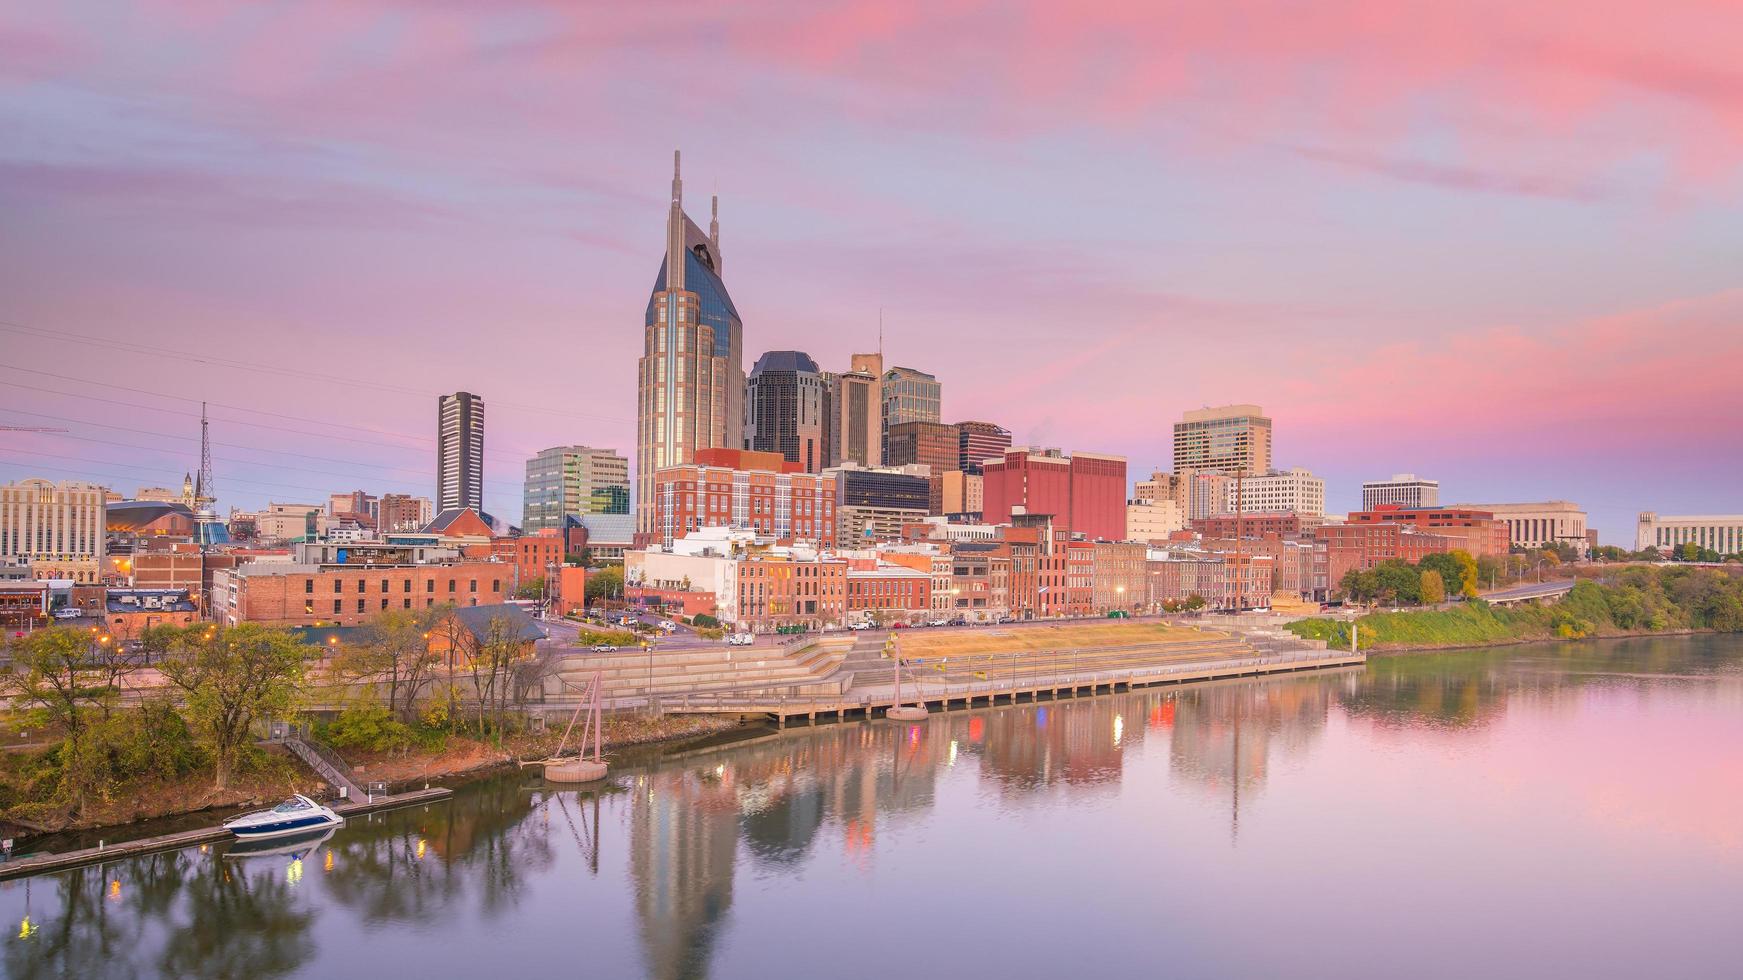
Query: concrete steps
x=811, y=669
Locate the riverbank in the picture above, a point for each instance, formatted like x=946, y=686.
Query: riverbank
x=1641, y=602
x=276, y=775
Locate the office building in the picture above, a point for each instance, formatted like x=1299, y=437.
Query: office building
x=354, y=504
x=743, y=490
x=1084, y=492
x=460, y=457
x=874, y=504
x=1403, y=489
x=285, y=594
x=964, y=494
x=1227, y=439
x=1538, y=525
x=786, y=405
x=1722, y=533
x=1163, y=486
x=979, y=442
x=1153, y=520
x=1293, y=490
x=931, y=444
x=1208, y=494
x=568, y=481
x=909, y=396
x=856, y=412
x=58, y=528
x=690, y=378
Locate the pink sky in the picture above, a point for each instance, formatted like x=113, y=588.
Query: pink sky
x=1495, y=243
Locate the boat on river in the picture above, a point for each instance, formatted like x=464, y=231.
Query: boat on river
x=297, y=815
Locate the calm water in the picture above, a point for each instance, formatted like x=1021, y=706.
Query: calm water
x=1551, y=811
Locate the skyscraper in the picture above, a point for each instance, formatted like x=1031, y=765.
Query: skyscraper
x=690, y=378
x=460, y=458
x=978, y=442
x=909, y=396
x=786, y=406
x=568, y=481
x=856, y=412
x=1228, y=439
x=934, y=444
x=1403, y=489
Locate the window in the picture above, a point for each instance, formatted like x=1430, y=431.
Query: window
x=308, y=585
x=384, y=585
x=429, y=584
x=450, y=586
x=336, y=604
x=496, y=585
x=338, y=586
x=360, y=604
x=472, y=586
x=309, y=608
x=408, y=602
x=362, y=586
x=384, y=602
x=408, y=588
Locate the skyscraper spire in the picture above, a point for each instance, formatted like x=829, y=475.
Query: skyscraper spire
x=675, y=230
x=203, y=495
x=714, y=235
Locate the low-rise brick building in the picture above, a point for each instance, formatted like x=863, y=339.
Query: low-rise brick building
x=314, y=595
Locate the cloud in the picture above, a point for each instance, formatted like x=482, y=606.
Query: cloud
x=1457, y=178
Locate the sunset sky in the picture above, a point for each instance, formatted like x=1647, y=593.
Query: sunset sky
x=1495, y=243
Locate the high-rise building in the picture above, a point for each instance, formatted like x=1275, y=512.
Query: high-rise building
x=932, y=444
x=690, y=378
x=978, y=442
x=57, y=528
x=909, y=396
x=460, y=460
x=1294, y=490
x=1163, y=486
x=1227, y=439
x=964, y=494
x=1084, y=492
x=856, y=412
x=1207, y=494
x=357, y=503
x=1403, y=489
x=786, y=409
x=568, y=481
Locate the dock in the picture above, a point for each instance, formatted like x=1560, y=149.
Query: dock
x=42, y=863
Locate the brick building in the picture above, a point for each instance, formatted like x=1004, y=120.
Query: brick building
x=314, y=595
x=1250, y=525
x=1084, y=492
x=1477, y=531
x=762, y=492
x=890, y=593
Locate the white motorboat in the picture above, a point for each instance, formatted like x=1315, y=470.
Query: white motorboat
x=297, y=815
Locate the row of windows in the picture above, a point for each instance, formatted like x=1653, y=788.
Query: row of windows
x=429, y=585
x=362, y=605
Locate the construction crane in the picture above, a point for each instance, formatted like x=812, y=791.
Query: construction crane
x=29, y=428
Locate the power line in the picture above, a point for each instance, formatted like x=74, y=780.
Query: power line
x=229, y=445
x=280, y=370
x=517, y=456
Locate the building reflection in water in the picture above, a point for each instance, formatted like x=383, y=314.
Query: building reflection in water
x=688, y=819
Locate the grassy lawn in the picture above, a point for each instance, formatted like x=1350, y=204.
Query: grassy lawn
x=990, y=640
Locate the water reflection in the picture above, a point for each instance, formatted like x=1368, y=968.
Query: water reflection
x=653, y=869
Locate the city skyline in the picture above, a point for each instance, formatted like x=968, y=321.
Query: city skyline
x=1541, y=311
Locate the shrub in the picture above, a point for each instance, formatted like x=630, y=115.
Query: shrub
x=369, y=727
x=704, y=620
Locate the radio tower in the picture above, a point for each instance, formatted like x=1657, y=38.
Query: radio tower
x=203, y=497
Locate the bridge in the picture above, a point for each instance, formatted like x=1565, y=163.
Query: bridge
x=1536, y=592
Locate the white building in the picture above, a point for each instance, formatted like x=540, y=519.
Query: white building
x=1536, y=525
x=1720, y=532
x=1153, y=520
x=1294, y=489
x=58, y=528
x=1404, y=489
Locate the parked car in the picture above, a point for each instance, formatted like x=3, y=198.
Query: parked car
x=604, y=648
x=939, y=622
x=668, y=626
x=741, y=639
x=861, y=625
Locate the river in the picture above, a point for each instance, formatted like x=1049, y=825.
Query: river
x=1554, y=810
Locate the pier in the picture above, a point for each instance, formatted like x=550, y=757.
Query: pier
x=42, y=863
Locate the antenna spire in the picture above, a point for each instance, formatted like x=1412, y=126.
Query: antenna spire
x=203, y=487
x=714, y=234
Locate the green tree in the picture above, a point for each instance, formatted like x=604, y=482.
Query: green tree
x=1432, y=588
x=531, y=589
x=56, y=675
x=231, y=676
x=1399, y=582
x=155, y=641
x=606, y=583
